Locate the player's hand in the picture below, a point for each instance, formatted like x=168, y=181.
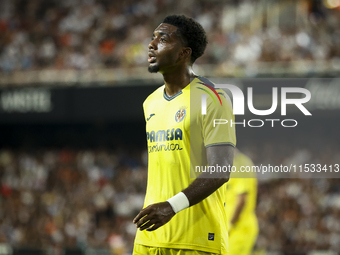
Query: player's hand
x=154, y=216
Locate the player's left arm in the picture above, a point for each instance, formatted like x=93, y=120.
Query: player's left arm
x=241, y=201
x=207, y=183
x=156, y=215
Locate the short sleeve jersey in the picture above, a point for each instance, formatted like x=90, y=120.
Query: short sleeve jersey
x=177, y=137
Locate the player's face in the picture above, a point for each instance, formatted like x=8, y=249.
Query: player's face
x=164, y=49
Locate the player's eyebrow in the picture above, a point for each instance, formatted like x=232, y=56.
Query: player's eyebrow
x=161, y=34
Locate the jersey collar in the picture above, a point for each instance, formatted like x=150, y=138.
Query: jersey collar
x=169, y=98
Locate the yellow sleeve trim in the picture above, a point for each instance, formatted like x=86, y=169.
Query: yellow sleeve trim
x=216, y=144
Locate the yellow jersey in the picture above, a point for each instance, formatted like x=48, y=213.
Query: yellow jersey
x=177, y=137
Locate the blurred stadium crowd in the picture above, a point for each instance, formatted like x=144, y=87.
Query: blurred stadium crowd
x=85, y=34
x=87, y=198
x=66, y=198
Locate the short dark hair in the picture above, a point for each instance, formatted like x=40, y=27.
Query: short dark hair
x=191, y=32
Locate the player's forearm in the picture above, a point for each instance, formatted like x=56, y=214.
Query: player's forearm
x=201, y=188
x=207, y=183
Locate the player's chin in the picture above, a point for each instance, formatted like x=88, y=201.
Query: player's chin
x=153, y=68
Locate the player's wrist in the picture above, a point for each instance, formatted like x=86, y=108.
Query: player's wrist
x=179, y=202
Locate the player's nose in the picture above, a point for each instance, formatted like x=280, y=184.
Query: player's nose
x=153, y=45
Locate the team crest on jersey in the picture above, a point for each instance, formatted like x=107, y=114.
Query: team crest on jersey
x=180, y=115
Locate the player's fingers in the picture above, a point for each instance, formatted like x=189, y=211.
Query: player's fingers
x=148, y=224
x=154, y=227
x=140, y=215
x=143, y=220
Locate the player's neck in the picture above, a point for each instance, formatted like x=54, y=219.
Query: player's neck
x=176, y=81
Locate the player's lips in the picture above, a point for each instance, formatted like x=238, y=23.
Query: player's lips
x=152, y=58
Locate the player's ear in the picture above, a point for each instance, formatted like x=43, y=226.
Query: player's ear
x=185, y=53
